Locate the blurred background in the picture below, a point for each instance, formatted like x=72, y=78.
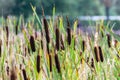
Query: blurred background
x=83, y=9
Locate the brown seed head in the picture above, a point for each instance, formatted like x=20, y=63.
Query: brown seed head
x=109, y=40
x=50, y=62
x=46, y=30
x=83, y=45
x=24, y=74
x=38, y=63
x=57, y=39
x=57, y=63
x=32, y=43
x=7, y=32
x=101, y=54
x=69, y=35
x=96, y=51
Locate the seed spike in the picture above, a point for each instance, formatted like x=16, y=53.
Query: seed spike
x=24, y=74
x=101, y=54
x=96, y=51
x=7, y=32
x=83, y=45
x=50, y=62
x=57, y=63
x=69, y=36
x=16, y=29
x=57, y=38
x=46, y=30
x=32, y=43
x=109, y=40
x=38, y=63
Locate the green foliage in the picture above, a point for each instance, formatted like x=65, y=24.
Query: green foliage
x=22, y=7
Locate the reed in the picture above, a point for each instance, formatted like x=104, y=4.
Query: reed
x=57, y=63
x=57, y=39
x=83, y=45
x=24, y=74
x=16, y=29
x=32, y=43
x=68, y=32
x=96, y=51
x=7, y=31
x=46, y=28
x=109, y=40
x=38, y=63
x=50, y=62
x=69, y=36
x=101, y=54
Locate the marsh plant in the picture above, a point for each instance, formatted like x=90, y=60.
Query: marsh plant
x=52, y=49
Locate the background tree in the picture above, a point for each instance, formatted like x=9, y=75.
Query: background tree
x=5, y=7
x=23, y=7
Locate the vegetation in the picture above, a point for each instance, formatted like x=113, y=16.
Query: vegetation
x=64, y=7
x=52, y=50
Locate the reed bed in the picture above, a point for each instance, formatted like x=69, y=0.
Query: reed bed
x=55, y=50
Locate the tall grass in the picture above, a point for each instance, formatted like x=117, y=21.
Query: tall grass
x=57, y=52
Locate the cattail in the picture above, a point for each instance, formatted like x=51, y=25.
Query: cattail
x=50, y=62
x=62, y=43
x=42, y=44
x=24, y=74
x=57, y=38
x=68, y=32
x=83, y=45
x=7, y=32
x=46, y=30
x=92, y=63
x=32, y=43
x=0, y=47
x=96, y=51
x=101, y=55
x=69, y=36
x=57, y=63
x=109, y=40
x=16, y=29
x=48, y=51
x=38, y=63
x=13, y=75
